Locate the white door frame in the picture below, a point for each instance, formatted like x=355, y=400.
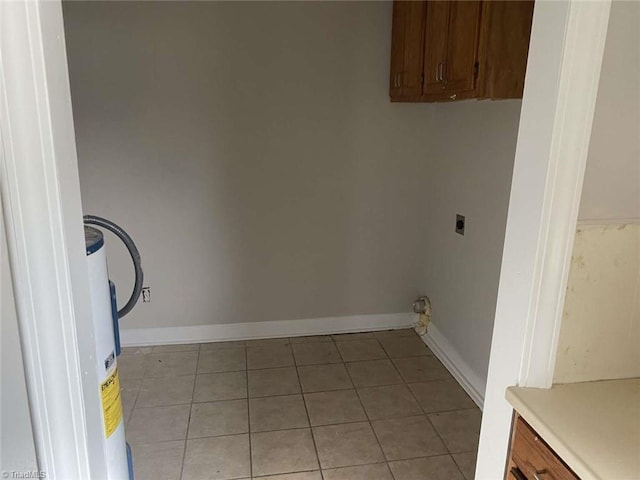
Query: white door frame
x=41, y=201
x=563, y=72
x=42, y=211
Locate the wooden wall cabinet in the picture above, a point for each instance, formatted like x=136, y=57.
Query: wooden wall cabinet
x=454, y=50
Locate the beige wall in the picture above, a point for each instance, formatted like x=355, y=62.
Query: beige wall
x=601, y=323
x=252, y=152
x=612, y=180
x=470, y=173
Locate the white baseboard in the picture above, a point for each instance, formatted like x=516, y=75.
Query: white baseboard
x=451, y=359
x=256, y=330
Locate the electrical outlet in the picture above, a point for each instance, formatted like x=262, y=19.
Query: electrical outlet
x=460, y=224
x=146, y=294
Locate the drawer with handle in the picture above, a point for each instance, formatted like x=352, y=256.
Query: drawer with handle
x=532, y=459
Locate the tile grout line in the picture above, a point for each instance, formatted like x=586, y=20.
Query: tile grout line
x=464, y=476
x=351, y=422
x=306, y=410
x=383, y=462
x=135, y=401
x=193, y=393
x=375, y=435
x=246, y=376
x=406, y=385
x=335, y=344
x=426, y=415
x=144, y=371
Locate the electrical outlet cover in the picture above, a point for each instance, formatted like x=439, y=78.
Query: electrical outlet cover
x=460, y=224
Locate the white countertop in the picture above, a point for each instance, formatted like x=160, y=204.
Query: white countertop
x=593, y=426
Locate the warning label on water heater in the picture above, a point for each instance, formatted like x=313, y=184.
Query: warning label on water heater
x=111, y=403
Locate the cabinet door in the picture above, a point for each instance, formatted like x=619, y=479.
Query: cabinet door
x=413, y=47
x=504, y=46
x=407, y=41
x=435, y=46
x=462, y=46
x=397, y=49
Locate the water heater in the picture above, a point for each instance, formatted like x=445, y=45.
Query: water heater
x=105, y=319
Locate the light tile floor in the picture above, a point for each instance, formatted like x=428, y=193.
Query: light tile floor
x=368, y=406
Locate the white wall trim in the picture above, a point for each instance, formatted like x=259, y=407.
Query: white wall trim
x=271, y=329
x=565, y=59
x=578, y=88
x=472, y=383
x=41, y=207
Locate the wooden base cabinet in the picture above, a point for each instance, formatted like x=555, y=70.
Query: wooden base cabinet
x=530, y=458
x=454, y=50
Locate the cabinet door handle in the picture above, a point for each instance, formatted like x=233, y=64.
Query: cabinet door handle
x=438, y=72
x=539, y=475
x=517, y=474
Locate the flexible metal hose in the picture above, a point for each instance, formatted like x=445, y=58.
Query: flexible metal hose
x=133, y=251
